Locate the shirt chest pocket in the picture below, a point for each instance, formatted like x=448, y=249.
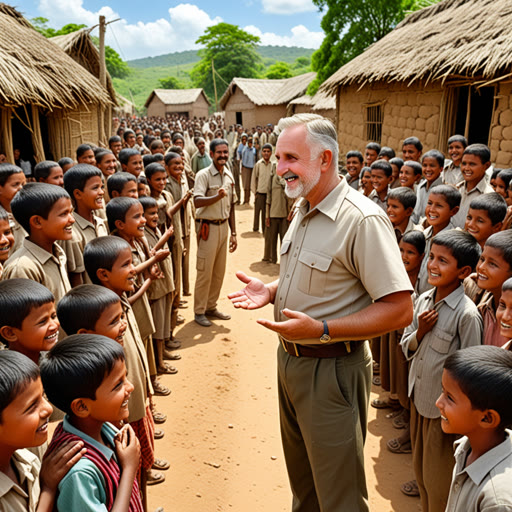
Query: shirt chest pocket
x=314, y=268
x=442, y=340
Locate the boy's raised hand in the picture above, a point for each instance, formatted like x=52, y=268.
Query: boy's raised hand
x=161, y=254
x=426, y=322
x=127, y=448
x=155, y=273
x=56, y=464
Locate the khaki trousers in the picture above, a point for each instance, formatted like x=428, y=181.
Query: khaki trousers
x=211, y=267
x=432, y=459
x=246, y=183
x=177, y=261
x=278, y=228
x=186, y=265
x=260, y=205
x=323, y=406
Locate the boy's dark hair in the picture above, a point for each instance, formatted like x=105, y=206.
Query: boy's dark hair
x=102, y=252
x=416, y=239
x=83, y=148
x=383, y=165
x=463, y=246
x=16, y=372
x=493, y=203
x=35, y=199
x=506, y=176
x=118, y=180
x=397, y=161
x=354, y=154
x=217, y=142
x=158, y=158
x=126, y=153
x=413, y=141
x=18, y=297
x=170, y=156
x=436, y=155
x=415, y=166
x=157, y=143
x=484, y=374
x=387, y=151
x=6, y=171
x=42, y=169
x=374, y=146
x=153, y=168
x=451, y=194
x=3, y=214
x=495, y=172
x=117, y=209
x=507, y=285
x=126, y=133
x=82, y=306
x=404, y=195
x=177, y=136
x=458, y=138
x=114, y=138
x=267, y=146
x=76, y=366
x=78, y=176
x=148, y=202
x=142, y=179
x=65, y=161
x=101, y=153
x=479, y=150
x=502, y=241
x=363, y=170
x=148, y=159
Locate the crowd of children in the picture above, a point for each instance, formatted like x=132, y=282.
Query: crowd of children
x=94, y=260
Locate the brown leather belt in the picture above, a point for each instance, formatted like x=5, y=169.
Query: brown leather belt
x=208, y=221
x=341, y=348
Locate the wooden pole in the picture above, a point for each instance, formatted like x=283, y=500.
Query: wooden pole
x=215, y=87
x=103, y=71
x=468, y=114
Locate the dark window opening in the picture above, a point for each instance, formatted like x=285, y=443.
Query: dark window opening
x=475, y=126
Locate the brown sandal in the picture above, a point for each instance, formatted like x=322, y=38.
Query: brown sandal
x=410, y=488
x=153, y=477
x=395, y=446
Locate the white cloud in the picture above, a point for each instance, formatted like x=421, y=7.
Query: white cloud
x=301, y=36
x=185, y=24
x=287, y=6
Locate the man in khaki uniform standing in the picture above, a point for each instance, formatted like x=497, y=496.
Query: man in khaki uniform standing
x=341, y=282
x=214, y=199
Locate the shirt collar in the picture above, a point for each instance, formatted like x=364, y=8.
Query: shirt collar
x=23, y=460
x=40, y=254
x=330, y=205
x=213, y=170
x=451, y=300
x=83, y=223
x=108, y=430
x=479, y=469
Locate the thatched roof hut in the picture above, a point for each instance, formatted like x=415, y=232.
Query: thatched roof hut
x=41, y=85
x=251, y=101
x=186, y=102
x=444, y=69
x=321, y=103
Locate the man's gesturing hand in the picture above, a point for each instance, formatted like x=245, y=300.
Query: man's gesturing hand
x=299, y=326
x=255, y=295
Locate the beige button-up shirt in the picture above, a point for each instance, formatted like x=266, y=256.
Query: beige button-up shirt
x=484, y=485
x=208, y=182
x=261, y=176
x=23, y=497
x=482, y=187
x=33, y=262
x=338, y=257
x=451, y=174
x=276, y=196
x=459, y=325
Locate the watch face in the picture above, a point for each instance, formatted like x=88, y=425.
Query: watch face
x=325, y=338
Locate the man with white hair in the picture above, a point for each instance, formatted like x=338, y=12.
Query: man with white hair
x=341, y=283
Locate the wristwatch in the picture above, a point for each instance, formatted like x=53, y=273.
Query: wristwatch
x=325, y=338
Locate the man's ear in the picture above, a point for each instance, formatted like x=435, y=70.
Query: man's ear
x=85, y=331
x=115, y=193
x=409, y=211
x=8, y=333
x=464, y=272
x=325, y=160
x=490, y=419
x=80, y=408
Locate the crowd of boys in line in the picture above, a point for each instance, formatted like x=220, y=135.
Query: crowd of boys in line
x=94, y=255
x=111, y=278
x=452, y=224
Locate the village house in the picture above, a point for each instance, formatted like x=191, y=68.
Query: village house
x=445, y=69
x=186, y=102
x=321, y=103
x=252, y=101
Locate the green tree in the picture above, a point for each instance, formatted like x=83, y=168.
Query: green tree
x=302, y=62
x=233, y=52
x=171, y=82
x=351, y=26
x=279, y=70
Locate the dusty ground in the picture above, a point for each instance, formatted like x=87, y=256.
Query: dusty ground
x=222, y=433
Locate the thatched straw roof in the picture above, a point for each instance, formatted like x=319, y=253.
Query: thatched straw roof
x=454, y=37
x=320, y=101
x=79, y=46
x=176, y=96
x=34, y=71
x=269, y=92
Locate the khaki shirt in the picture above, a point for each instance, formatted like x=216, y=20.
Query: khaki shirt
x=276, y=196
x=466, y=197
x=377, y=200
x=176, y=239
x=160, y=287
x=175, y=189
x=451, y=175
x=208, y=183
x=422, y=193
x=17, y=231
x=328, y=258
x=136, y=365
x=23, y=497
x=33, y=262
x=459, y=325
x=492, y=327
x=261, y=176
x=484, y=485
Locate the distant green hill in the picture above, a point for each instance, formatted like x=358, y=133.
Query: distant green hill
x=145, y=73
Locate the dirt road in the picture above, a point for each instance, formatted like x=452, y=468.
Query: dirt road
x=222, y=433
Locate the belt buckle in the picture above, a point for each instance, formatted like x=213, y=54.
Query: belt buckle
x=348, y=346
x=284, y=343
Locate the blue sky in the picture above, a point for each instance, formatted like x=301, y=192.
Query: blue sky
x=149, y=28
